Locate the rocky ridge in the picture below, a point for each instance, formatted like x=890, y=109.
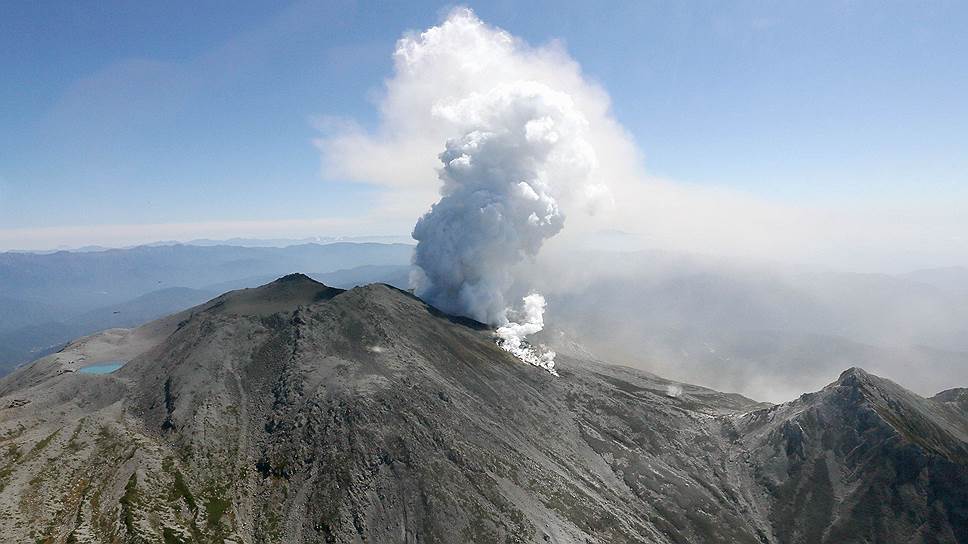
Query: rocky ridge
x=299, y=413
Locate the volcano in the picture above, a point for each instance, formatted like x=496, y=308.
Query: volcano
x=295, y=412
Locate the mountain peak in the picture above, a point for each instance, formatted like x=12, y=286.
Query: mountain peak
x=956, y=398
x=952, y=395
x=853, y=377
x=282, y=295
x=295, y=277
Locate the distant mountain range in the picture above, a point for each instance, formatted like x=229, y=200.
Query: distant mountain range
x=240, y=242
x=48, y=299
x=297, y=412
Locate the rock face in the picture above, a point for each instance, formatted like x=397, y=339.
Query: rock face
x=955, y=398
x=863, y=460
x=299, y=413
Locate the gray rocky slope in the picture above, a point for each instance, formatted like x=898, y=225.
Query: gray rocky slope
x=299, y=413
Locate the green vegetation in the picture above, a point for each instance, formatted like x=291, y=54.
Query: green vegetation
x=37, y=479
x=171, y=537
x=13, y=455
x=127, y=503
x=107, y=442
x=13, y=433
x=180, y=491
x=271, y=526
x=73, y=445
x=13, y=450
x=40, y=446
x=215, y=507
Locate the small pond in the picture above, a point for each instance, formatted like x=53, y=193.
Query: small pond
x=102, y=368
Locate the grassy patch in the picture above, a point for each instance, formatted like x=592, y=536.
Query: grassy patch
x=37, y=479
x=127, y=503
x=13, y=455
x=73, y=444
x=215, y=508
x=180, y=491
x=171, y=537
x=107, y=441
x=13, y=452
x=272, y=523
x=40, y=446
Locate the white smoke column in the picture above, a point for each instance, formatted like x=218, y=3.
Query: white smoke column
x=512, y=336
x=521, y=146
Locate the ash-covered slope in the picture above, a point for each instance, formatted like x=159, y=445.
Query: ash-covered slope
x=299, y=413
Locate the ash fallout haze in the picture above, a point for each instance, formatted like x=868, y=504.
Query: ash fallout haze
x=324, y=271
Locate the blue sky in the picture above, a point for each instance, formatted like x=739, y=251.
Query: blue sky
x=118, y=113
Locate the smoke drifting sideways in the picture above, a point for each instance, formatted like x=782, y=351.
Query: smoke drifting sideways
x=522, y=145
x=511, y=336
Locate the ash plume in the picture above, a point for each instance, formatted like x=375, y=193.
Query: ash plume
x=517, y=132
x=522, y=145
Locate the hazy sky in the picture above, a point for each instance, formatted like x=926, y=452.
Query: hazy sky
x=200, y=117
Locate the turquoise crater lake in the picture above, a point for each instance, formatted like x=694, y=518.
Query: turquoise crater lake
x=102, y=368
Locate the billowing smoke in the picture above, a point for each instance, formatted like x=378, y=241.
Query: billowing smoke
x=511, y=126
x=511, y=336
x=521, y=146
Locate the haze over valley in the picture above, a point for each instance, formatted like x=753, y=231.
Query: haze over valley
x=772, y=332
